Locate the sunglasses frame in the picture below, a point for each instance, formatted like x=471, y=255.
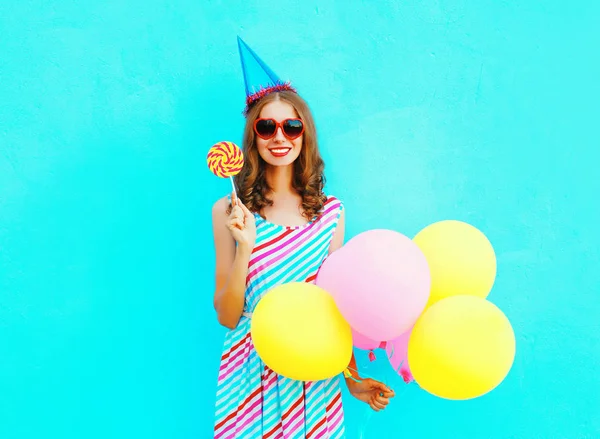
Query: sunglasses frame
x=277, y=126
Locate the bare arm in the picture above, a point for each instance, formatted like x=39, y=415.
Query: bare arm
x=231, y=268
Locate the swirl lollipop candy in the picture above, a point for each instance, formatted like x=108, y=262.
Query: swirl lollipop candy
x=225, y=159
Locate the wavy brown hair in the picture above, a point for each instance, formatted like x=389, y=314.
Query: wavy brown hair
x=308, y=179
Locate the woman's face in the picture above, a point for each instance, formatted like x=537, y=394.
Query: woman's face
x=279, y=150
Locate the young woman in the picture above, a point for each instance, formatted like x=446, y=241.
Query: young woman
x=279, y=230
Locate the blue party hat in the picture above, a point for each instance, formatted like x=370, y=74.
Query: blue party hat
x=259, y=79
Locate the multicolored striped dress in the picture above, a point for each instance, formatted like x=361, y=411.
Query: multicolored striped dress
x=253, y=401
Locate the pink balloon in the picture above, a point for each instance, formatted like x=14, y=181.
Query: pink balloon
x=380, y=282
x=361, y=342
x=397, y=353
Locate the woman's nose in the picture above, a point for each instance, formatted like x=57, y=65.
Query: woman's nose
x=279, y=134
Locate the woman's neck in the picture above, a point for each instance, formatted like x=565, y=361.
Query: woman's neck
x=279, y=179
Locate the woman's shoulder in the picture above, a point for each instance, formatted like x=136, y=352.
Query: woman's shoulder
x=333, y=207
x=222, y=203
x=220, y=208
x=333, y=202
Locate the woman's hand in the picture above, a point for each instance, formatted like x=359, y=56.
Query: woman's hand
x=241, y=224
x=374, y=393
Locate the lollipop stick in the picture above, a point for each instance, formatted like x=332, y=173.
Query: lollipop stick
x=235, y=197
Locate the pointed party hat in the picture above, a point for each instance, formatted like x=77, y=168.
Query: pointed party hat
x=259, y=79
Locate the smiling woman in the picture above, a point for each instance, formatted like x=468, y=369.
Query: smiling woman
x=484, y=112
x=283, y=132
x=280, y=230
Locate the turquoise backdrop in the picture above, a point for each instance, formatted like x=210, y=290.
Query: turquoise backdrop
x=485, y=111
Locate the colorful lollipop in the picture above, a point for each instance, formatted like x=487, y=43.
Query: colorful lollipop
x=225, y=159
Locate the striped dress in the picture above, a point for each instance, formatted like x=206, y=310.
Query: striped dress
x=253, y=401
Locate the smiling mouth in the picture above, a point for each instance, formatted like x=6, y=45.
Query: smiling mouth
x=279, y=152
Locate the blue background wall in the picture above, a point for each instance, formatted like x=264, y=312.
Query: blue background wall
x=480, y=111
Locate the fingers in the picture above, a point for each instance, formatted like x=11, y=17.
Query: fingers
x=374, y=407
x=381, y=396
x=385, y=391
x=236, y=212
x=382, y=401
x=378, y=385
x=236, y=203
x=378, y=402
x=236, y=218
x=235, y=223
x=389, y=394
x=245, y=210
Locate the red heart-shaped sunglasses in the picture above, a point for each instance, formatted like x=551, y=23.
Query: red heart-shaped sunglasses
x=266, y=128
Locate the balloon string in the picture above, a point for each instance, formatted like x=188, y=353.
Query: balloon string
x=365, y=422
x=349, y=369
x=390, y=355
x=368, y=411
x=347, y=374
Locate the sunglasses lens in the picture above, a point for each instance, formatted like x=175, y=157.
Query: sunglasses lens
x=293, y=128
x=265, y=127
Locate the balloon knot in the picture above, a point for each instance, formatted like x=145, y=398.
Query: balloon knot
x=372, y=356
x=406, y=376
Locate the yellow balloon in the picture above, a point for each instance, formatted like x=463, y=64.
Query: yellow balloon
x=460, y=257
x=299, y=332
x=461, y=348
